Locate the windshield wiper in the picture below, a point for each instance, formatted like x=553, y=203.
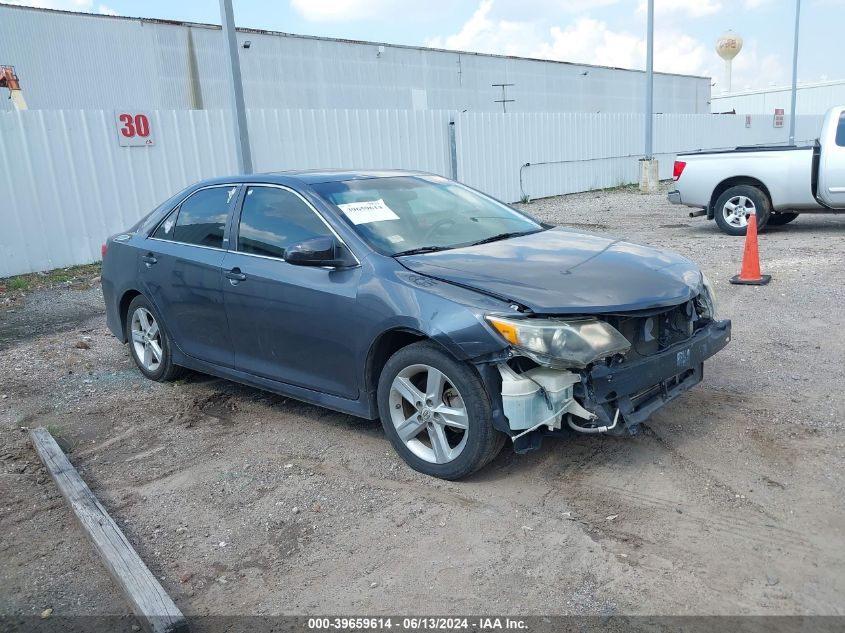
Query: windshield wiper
x=502, y=236
x=421, y=250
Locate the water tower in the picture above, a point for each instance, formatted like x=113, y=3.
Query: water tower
x=728, y=46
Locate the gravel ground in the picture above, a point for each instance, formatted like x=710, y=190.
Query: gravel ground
x=244, y=502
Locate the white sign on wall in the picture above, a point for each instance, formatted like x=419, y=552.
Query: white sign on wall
x=133, y=128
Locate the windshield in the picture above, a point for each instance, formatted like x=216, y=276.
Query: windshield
x=403, y=214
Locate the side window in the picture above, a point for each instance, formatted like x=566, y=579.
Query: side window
x=200, y=219
x=272, y=219
x=840, y=130
x=165, y=229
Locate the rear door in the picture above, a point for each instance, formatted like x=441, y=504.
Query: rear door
x=832, y=161
x=181, y=273
x=293, y=324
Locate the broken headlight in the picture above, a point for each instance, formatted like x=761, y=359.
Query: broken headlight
x=707, y=299
x=560, y=343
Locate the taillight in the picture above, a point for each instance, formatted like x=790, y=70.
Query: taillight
x=103, y=249
x=678, y=170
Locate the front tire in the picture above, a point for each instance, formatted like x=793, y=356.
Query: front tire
x=149, y=343
x=436, y=412
x=779, y=219
x=736, y=204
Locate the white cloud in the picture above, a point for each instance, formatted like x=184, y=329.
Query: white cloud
x=753, y=70
x=481, y=34
x=590, y=41
x=104, y=10
x=692, y=8
x=586, y=40
x=362, y=10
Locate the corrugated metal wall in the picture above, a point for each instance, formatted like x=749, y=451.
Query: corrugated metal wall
x=67, y=60
x=810, y=99
x=573, y=152
x=68, y=184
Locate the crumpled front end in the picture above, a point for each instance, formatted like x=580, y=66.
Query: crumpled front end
x=616, y=392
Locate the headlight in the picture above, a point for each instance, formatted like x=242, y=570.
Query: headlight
x=708, y=298
x=558, y=343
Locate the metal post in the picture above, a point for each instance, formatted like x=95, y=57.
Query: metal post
x=649, y=82
x=453, y=151
x=242, y=150
x=794, y=74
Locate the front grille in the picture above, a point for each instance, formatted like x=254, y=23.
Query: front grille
x=652, y=332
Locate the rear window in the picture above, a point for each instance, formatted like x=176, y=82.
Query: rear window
x=200, y=219
x=840, y=130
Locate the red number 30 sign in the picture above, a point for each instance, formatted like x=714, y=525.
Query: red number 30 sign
x=133, y=128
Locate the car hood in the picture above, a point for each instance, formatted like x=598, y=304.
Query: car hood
x=559, y=271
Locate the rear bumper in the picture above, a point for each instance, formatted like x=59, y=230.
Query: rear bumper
x=113, y=320
x=674, y=197
x=640, y=388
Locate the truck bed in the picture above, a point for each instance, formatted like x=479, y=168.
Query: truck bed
x=748, y=148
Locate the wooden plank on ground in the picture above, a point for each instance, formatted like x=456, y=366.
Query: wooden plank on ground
x=147, y=597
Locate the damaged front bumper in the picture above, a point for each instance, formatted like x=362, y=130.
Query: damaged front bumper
x=640, y=388
x=618, y=397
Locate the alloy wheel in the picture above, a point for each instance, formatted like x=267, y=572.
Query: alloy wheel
x=736, y=211
x=429, y=414
x=146, y=339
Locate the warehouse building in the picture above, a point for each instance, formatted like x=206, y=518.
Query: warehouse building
x=77, y=60
x=810, y=98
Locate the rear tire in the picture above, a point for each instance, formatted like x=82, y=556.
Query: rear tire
x=436, y=412
x=779, y=219
x=149, y=342
x=735, y=205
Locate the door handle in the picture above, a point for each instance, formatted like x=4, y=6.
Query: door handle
x=235, y=275
x=149, y=259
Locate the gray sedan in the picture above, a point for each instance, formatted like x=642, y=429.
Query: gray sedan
x=459, y=321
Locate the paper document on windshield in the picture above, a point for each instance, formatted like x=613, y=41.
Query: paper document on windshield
x=366, y=212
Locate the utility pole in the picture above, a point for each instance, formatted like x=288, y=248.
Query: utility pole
x=242, y=150
x=649, y=82
x=649, y=171
x=794, y=74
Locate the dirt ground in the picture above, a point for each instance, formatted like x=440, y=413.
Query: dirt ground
x=244, y=502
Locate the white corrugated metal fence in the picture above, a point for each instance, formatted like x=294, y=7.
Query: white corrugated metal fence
x=570, y=152
x=68, y=184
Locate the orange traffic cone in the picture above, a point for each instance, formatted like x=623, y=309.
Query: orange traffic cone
x=749, y=274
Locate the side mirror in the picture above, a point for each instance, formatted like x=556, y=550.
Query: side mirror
x=318, y=251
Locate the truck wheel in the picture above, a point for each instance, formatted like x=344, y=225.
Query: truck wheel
x=737, y=203
x=779, y=219
x=436, y=412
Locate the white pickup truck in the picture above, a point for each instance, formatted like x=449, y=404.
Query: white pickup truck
x=776, y=182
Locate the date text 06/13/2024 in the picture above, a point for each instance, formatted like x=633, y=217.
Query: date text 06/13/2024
x=416, y=623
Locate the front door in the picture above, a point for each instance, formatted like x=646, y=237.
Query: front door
x=181, y=272
x=294, y=324
x=832, y=164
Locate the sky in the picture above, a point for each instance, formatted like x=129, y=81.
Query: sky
x=604, y=32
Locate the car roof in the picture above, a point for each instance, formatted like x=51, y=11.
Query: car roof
x=315, y=176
